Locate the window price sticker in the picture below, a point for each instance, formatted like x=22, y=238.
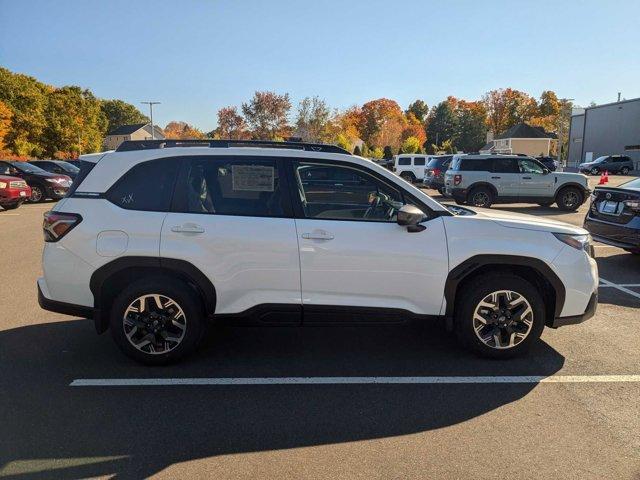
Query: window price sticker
x=255, y=178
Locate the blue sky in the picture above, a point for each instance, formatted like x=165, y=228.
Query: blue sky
x=198, y=56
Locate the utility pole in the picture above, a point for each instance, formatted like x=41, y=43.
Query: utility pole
x=562, y=106
x=153, y=130
x=619, y=93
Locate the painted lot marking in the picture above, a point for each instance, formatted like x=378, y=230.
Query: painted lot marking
x=163, y=382
x=622, y=288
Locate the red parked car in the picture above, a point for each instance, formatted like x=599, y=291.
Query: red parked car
x=13, y=191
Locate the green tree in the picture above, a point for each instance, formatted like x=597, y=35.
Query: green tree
x=387, y=154
x=377, y=153
x=420, y=109
x=441, y=123
x=411, y=145
x=118, y=113
x=471, y=126
x=356, y=151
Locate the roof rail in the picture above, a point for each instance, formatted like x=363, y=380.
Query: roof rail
x=133, y=145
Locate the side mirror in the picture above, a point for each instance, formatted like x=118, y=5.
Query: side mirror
x=410, y=217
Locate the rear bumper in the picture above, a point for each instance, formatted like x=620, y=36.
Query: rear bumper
x=622, y=236
x=574, y=319
x=433, y=182
x=11, y=195
x=459, y=194
x=64, y=308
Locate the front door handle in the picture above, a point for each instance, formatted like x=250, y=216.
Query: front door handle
x=526, y=178
x=318, y=235
x=187, y=228
x=496, y=178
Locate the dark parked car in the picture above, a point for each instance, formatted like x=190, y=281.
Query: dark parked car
x=43, y=184
x=609, y=163
x=57, y=166
x=614, y=216
x=434, y=172
x=548, y=162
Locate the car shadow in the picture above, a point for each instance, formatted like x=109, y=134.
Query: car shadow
x=52, y=430
x=621, y=268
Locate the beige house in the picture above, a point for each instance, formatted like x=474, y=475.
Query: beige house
x=524, y=139
x=139, y=131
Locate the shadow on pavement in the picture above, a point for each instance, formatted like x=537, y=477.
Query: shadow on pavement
x=51, y=430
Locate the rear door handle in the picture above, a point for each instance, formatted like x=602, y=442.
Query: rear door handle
x=187, y=228
x=526, y=178
x=496, y=178
x=318, y=235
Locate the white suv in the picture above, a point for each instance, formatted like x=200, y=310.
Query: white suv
x=410, y=166
x=157, y=239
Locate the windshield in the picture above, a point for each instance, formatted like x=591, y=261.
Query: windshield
x=27, y=167
x=600, y=159
x=67, y=167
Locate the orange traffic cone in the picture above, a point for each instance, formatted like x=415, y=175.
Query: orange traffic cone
x=602, y=179
x=606, y=176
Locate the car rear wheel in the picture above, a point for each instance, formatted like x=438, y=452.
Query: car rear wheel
x=441, y=191
x=157, y=320
x=37, y=194
x=480, y=197
x=408, y=176
x=624, y=171
x=595, y=171
x=11, y=206
x=499, y=315
x=569, y=199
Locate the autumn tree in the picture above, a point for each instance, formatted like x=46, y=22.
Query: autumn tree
x=382, y=123
x=5, y=124
x=347, y=124
x=507, y=107
x=118, y=113
x=313, y=120
x=411, y=145
x=419, y=109
x=177, y=130
x=266, y=113
x=357, y=151
x=231, y=125
x=413, y=128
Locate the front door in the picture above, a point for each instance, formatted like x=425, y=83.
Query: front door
x=354, y=254
x=231, y=218
x=505, y=177
x=534, y=182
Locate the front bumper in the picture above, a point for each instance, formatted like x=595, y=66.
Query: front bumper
x=574, y=319
x=56, y=192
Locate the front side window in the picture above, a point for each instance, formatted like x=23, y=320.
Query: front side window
x=505, y=165
x=148, y=186
x=243, y=187
x=529, y=166
x=335, y=192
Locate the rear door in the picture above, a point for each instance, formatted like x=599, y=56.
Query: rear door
x=505, y=176
x=231, y=218
x=419, y=166
x=534, y=181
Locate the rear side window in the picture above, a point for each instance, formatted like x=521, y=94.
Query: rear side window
x=420, y=161
x=85, y=168
x=475, y=165
x=243, y=187
x=505, y=165
x=404, y=161
x=148, y=186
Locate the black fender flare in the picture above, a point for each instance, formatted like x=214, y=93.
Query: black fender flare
x=582, y=188
x=472, y=264
x=487, y=185
x=170, y=266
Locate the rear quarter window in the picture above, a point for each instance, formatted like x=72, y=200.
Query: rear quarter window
x=404, y=161
x=147, y=186
x=475, y=165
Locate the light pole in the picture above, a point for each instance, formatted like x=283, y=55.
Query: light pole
x=153, y=130
x=562, y=105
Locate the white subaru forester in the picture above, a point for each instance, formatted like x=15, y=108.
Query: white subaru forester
x=158, y=238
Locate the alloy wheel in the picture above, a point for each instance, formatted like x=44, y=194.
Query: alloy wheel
x=36, y=194
x=570, y=199
x=503, y=319
x=480, y=199
x=154, y=324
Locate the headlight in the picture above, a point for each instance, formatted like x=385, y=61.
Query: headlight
x=579, y=242
x=3, y=185
x=52, y=180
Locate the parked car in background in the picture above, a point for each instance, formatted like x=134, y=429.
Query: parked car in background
x=434, y=172
x=383, y=162
x=57, y=166
x=482, y=180
x=614, y=215
x=410, y=166
x=13, y=192
x=548, y=162
x=608, y=163
x=43, y=184
x=274, y=234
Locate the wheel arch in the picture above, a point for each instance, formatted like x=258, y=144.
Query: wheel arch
x=107, y=281
x=571, y=184
x=531, y=269
x=488, y=185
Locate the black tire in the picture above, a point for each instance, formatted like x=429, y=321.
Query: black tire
x=441, y=191
x=478, y=289
x=185, y=298
x=569, y=199
x=11, y=206
x=633, y=251
x=480, y=197
x=459, y=202
x=624, y=171
x=595, y=171
x=38, y=194
x=408, y=176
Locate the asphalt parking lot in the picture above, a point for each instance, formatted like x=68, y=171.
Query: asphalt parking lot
x=578, y=415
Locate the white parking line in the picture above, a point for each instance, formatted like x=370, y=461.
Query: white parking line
x=161, y=382
x=607, y=283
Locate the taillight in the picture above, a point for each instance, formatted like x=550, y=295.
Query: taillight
x=457, y=179
x=633, y=205
x=56, y=225
x=436, y=172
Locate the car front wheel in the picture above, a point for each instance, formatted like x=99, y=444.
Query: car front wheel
x=595, y=171
x=37, y=194
x=499, y=315
x=408, y=176
x=157, y=320
x=624, y=170
x=569, y=199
